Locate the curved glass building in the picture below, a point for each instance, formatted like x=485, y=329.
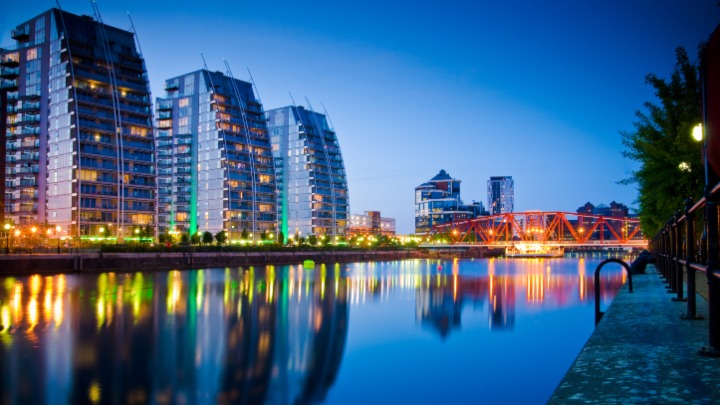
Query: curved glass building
x=77, y=129
x=311, y=180
x=215, y=166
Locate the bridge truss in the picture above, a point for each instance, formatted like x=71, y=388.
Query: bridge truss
x=550, y=228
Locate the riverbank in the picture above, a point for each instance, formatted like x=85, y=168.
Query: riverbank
x=92, y=262
x=643, y=352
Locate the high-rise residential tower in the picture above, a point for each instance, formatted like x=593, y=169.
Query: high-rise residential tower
x=501, y=195
x=215, y=165
x=76, y=128
x=311, y=180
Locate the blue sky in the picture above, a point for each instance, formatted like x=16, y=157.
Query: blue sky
x=535, y=90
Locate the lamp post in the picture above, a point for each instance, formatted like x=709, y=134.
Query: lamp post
x=32, y=239
x=7, y=239
x=58, y=228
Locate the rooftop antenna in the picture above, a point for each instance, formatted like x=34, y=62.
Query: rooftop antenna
x=255, y=87
x=328, y=116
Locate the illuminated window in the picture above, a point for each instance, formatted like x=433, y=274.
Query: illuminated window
x=184, y=102
x=181, y=216
x=32, y=54
x=88, y=175
x=138, y=131
x=183, y=121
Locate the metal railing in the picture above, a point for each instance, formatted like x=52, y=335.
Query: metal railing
x=681, y=254
x=599, y=314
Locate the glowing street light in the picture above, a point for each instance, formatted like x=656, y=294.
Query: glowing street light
x=697, y=132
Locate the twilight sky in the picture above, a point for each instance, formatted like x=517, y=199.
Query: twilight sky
x=537, y=90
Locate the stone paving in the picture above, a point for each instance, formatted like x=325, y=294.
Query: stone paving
x=642, y=352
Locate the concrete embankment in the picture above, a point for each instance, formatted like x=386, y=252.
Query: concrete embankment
x=23, y=264
x=642, y=352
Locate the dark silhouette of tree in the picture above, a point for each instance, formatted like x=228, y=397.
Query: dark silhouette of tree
x=207, y=238
x=670, y=159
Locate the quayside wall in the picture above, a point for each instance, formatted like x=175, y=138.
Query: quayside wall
x=95, y=262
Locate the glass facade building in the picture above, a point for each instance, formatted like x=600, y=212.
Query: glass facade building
x=77, y=128
x=438, y=202
x=501, y=195
x=215, y=165
x=311, y=180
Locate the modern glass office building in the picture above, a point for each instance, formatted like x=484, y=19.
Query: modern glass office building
x=215, y=165
x=311, y=180
x=438, y=202
x=77, y=129
x=501, y=195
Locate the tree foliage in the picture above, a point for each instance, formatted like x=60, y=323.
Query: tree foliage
x=670, y=160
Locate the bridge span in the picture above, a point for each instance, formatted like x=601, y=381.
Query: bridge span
x=555, y=229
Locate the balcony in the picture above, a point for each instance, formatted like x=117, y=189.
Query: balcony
x=164, y=115
x=21, y=34
x=172, y=85
x=7, y=84
x=165, y=105
x=9, y=73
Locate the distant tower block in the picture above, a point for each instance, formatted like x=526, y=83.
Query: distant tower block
x=501, y=195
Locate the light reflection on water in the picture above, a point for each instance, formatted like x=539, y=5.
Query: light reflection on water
x=414, y=331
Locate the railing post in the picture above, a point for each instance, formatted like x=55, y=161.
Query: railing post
x=689, y=258
x=678, y=276
x=711, y=217
x=671, y=255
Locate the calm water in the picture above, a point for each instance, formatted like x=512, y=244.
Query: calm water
x=415, y=331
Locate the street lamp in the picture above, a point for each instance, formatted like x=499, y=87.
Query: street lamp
x=697, y=132
x=58, y=228
x=32, y=239
x=7, y=238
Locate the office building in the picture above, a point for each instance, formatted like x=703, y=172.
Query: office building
x=77, y=129
x=215, y=165
x=311, y=181
x=438, y=202
x=501, y=195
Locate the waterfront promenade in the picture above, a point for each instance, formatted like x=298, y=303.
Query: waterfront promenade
x=643, y=352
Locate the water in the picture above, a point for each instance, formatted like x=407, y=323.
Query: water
x=415, y=331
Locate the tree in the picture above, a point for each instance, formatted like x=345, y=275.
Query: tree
x=670, y=160
x=312, y=239
x=220, y=238
x=195, y=238
x=207, y=238
x=281, y=238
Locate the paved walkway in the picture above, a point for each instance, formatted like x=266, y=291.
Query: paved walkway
x=642, y=352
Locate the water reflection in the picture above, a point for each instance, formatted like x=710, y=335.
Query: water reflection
x=247, y=335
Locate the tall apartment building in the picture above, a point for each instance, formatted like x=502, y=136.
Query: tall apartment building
x=311, y=180
x=438, y=202
x=215, y=165
x=501, y=195
x=76, y=128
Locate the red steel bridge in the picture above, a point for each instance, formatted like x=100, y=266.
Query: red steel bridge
x=562, y=229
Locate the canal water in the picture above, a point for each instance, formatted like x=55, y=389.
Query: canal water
x=413, y=331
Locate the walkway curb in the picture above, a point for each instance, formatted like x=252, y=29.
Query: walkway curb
x=642, y=352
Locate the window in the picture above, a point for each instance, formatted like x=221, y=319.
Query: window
x=33, y=53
